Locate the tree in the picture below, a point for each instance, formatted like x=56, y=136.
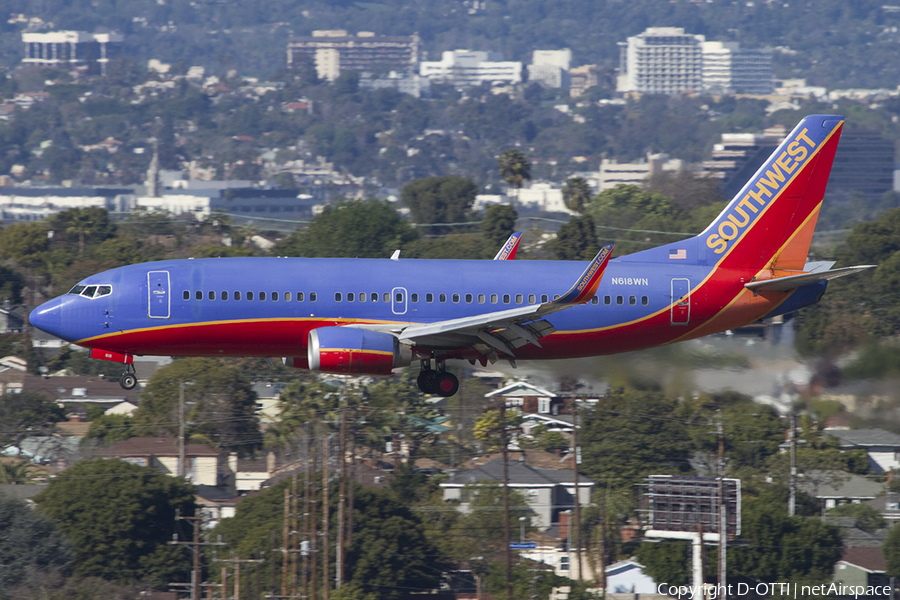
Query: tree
x=27, y=414
x=891, y=549
x=439, y=200
x=17, y=472
x=514, y=168
x=498, y=223
x=220, y=404
x=119, y=519
x=576, y=194
x=576, y=239
x=867, y=518
x=31, y=545
x=365, y=229
x=83, y=223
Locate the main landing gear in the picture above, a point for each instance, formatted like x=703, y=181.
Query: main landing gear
x=128, y=381
x=438, y=382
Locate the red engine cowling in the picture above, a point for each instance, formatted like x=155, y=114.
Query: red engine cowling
x=351, y=350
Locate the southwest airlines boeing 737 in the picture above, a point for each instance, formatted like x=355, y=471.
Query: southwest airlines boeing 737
x=372, y=315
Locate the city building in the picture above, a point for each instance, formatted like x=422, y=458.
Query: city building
x=864, y=163
x=613, y=173
x=739, y=155
x=334, y=51
x=90, y=52
x=550, y=68
x=541, y=197
x=405, y=83
x=36, y=203
x=662, y=60
x=730, y=69
x=470, y=68
x=581, y=78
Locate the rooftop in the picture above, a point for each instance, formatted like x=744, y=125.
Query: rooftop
x=865, y=437
x=520, y=475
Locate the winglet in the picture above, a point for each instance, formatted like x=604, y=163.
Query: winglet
x=508, y=251
x=396, y=255
x=586, y=287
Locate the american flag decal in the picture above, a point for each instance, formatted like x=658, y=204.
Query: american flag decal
x=680, y=254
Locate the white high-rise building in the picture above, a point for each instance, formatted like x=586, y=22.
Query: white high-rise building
x=550, y=67
x=470, y=68
x=730, y=69
x=663, y=60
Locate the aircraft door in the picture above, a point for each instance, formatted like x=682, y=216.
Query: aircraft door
x=681, y=301
x=159, y=301
x=398, y=301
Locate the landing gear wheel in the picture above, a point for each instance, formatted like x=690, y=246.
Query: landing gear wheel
x=128, y=381
x=447, y=384
x=427, y=381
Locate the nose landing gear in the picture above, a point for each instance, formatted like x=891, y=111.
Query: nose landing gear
x=438, y=382
x=128, y=381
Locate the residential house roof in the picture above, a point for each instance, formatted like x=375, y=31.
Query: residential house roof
x=535, y=458
x=867, y=559
x=839, y=485
x=73, y=428
x=88, y=390
x=520, y=474
x=862, y=438
x=853, y=536
x=520, y=388
x=155, y=446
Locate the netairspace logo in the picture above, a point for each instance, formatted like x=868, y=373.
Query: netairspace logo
x=786, y=590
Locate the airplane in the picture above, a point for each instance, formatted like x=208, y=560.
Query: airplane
x=370, y=316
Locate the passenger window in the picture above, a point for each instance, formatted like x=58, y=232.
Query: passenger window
x=544, y=299
x=211, y=295
x=337, y=296
x=386, y=297
x=287, y=296
x=413, y=297
x=493, y=298
x=312, y=296
x=505, y=298
x=104, y=290
x=632, y=300
x=299, y=296
x=468, y=298
x=519, y=298
x=429, y=297
x=350, y=297
x=224, y=295
x=595, y=300
x=531, y=299
x=455, y=298
x=374, y=297
x=186, y=295
x=362, y=297
x=645, y=300
x=274, y=296
x=620, y=300
x=607, y=299
x=262, y=296
x=480, y=298
x=249, y=296
x=442, y=297
x=198, y=295
x=237, y=295
x=399, y=297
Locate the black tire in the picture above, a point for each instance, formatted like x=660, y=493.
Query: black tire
x=427, y=381
x=446, y=384
x=128, y=381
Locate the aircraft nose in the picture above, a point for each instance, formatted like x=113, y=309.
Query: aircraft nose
x=48, y=317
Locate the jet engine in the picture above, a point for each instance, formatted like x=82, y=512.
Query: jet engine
x=352, y=350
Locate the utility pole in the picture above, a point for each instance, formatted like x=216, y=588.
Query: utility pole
x=351, y=493
x=325, y=517
x=306, y=476
x=792, y=501
x=195, y=545
x=577, y=528
x=723, y=517
x=237, y=574
x=506, y=540
x=313, y=532
x=285, y=543
x=181, y=430
x=342, y=491
x=295, y=536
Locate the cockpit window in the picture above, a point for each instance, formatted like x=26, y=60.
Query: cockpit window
x=89, y=291
x=103, y=290
x=77, y=289
x=92, y=291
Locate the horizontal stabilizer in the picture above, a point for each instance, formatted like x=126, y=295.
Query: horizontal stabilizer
x=793, y=282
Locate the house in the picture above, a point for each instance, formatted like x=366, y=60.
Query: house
x=882, y=447
x=863, y=567
x=888, y=506
x=268, y=394
x=215, y=504
x=76, y=393
x=548, y=492
x=832, y=488
x=530, y=399
x=250, y=474
x=204, y=465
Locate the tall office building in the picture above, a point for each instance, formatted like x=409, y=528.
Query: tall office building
x=72, y=50
x=730, y=69
x=550, y=67
x=334, y=51
x=663, y=60
x=470, y=68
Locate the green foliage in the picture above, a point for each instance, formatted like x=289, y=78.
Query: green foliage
x=435, y=200
x=26, y=414
x=119, y=519
x=576, y=240
x=576, y=194
x=220, y=404
x=17, y=472
x=109, y=429
x=867, y=518
x=498, y=223
x=891, y=549
x=31, y=546
x=514, y=167
x=365, y=229
x=667, y=561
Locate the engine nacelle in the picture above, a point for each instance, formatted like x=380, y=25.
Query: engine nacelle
x=352, y=350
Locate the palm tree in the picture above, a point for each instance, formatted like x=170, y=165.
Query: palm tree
x=576, y=194
x=18, y=472
x=514, y=167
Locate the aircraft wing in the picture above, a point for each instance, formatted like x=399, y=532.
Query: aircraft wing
x=505, y=330
x=508, y=251
x=792, y=282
